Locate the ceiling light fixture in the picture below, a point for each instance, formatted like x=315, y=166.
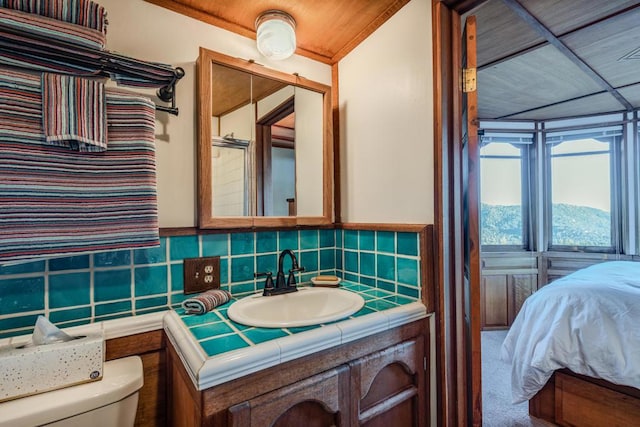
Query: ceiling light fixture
x=276, y=34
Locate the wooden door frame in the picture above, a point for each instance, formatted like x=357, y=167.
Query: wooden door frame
x=453, y=407
x=264, y=145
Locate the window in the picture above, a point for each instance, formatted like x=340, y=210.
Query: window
x=582, y=190
x=565, y=185
x=504, y=194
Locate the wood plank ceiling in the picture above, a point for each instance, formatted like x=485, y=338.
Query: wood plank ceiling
x=325, y=30
x=545, y=59
x=537, y=59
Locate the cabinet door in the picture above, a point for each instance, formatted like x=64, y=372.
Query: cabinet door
x=494, y=297
x=318, y=401
x=521, y=286
x=502, y=297
x=389, y=387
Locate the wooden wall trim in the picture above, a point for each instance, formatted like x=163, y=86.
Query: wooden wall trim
x=132, y=345
x=193, y=231
x=182, y=231
x=410, y=228
x=443, y=243
x=335, y=112
x=427, y=268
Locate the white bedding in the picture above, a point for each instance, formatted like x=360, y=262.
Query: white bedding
x=588, y=322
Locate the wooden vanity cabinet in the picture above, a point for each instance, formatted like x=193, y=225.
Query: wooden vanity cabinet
x=379, y=380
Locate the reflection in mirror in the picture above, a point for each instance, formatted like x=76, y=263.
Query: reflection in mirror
x=232, y=177
x=269, y=150
x=276, y=142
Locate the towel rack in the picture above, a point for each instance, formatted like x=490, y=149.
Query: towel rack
x=56, y=55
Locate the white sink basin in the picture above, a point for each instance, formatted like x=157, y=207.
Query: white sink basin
x=308, y=306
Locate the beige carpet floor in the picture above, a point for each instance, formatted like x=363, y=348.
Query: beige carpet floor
x=497, y=409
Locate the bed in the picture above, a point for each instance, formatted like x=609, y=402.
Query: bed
x=575, y=348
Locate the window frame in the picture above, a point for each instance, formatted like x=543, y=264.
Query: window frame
x=526, y=191
x=616, y=199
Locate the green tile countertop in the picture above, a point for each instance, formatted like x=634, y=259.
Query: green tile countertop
x=216, y=349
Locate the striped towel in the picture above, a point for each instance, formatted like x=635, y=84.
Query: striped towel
x=14, y=23
x=31, y=42
x=74, y=112
x=206, y=302
x=85, y=13
x=54, y=201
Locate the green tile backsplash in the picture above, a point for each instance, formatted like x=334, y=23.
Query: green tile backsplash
x=69, y=289
x=242, y=243
x=85, y=288
x=384, y=259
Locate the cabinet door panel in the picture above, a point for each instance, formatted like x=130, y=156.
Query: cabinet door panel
x=399, y=415
x=388, y=386
x=494, y=300
x=308, y=414
x=390, y=380
x=503, y=296
x=318, y=401
x=521, y=286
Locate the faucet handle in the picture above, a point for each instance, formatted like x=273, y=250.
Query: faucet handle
x=268, y=283
x=291, y=280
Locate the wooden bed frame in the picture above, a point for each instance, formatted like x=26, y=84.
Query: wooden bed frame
x=569, y=399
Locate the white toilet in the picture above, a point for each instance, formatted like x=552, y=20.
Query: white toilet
x=110, y=402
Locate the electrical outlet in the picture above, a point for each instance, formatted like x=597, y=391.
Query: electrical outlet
x=201, y=274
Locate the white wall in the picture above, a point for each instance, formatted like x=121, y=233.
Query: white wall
x=239, y=123
x=309, y=144
x=386, y=122
x=145, y=31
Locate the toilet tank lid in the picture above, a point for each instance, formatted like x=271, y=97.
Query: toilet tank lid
x=121, y=378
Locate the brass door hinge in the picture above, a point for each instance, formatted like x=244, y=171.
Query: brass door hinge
x=468, y=80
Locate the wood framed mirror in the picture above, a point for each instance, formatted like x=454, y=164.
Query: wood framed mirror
x=265, y=146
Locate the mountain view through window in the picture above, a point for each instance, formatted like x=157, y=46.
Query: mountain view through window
x=579, y=186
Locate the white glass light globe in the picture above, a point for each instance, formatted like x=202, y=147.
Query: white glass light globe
x=276, y=36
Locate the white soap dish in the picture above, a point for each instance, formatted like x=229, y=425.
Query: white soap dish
x=326, y=281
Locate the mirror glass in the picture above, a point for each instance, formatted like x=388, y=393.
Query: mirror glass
x=264, y=145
